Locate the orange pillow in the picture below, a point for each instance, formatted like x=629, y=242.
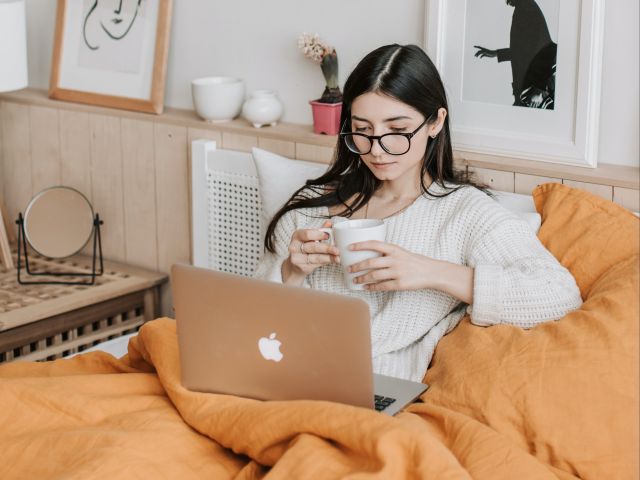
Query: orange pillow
x=586, y=233
x=567, y=391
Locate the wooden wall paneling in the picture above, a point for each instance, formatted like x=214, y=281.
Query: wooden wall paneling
x=7, y=226
x=106, y=183
x=314, y=153
x=604, y=191
x=139, y=189
x=494, y=179
x=603, y=174
x=172, y=194
x=172, y=185
x=236, y=141
x=7, y=233
x=280, y=147
x=16, y=150
x=1, y=161
x=45, y=148
x=526, y=183
x=627, y=197
x=75, y=151
x=75, y=155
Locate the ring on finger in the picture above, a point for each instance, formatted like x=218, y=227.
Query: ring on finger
x=302, y=247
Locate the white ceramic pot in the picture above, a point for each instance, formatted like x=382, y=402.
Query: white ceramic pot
x=217, y=99
x=262, y=108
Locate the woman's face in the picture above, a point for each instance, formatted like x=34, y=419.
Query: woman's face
x=373, y=113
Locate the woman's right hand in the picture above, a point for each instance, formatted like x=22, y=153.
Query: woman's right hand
x=308, y=251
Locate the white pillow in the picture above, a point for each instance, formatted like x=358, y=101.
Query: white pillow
x=280, y=177
x=521, y=205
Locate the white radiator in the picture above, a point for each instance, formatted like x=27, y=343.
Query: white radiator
x=226, y=220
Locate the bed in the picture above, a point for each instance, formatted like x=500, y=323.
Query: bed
x=556, y=401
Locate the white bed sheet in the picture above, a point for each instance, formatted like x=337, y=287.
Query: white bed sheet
x=116, y=347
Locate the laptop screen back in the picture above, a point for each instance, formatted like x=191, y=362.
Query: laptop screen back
x=264, y=340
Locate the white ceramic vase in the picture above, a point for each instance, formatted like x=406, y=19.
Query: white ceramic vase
x=218, y=99
x=262, y=108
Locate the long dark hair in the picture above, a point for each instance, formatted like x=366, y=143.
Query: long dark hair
x=407, y=74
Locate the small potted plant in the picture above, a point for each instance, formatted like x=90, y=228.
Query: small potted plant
x=327, y=109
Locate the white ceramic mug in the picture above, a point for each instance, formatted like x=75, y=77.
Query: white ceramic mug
x=345, y=232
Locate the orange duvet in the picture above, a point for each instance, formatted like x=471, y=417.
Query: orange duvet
x=556, y=401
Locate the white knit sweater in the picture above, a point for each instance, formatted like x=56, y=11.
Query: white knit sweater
x=516, y=281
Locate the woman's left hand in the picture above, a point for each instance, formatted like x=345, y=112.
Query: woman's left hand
x=396, y=269
x=399, y=269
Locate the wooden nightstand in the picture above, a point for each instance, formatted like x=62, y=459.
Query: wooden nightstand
x=44, y=322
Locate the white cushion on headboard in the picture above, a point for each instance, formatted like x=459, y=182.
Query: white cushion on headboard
x=280, y=177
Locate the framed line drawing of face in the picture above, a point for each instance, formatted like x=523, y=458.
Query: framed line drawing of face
x=522, y=76
x=111, y=53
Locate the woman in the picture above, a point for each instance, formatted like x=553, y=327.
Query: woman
x=448, y=245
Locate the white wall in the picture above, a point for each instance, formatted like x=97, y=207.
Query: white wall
x=619, y=122
x=256, y=40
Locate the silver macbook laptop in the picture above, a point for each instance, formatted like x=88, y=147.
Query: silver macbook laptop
x=268, y=341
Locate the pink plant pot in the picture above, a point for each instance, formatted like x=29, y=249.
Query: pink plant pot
x=326, y=117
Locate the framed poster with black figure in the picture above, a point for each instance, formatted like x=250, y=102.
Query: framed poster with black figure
x=522, y=76
x=111, y=53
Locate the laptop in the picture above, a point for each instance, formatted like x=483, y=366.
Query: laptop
x=259, y=339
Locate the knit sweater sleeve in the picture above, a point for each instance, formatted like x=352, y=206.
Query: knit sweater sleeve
x=270, y=265
x=517, y=281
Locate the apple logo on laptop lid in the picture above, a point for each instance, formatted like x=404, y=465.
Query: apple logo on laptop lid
x=270, y=348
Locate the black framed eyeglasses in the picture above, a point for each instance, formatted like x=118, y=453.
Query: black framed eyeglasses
x=395, y=143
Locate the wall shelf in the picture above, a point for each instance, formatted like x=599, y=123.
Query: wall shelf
x=604, y=174
x=188, y=118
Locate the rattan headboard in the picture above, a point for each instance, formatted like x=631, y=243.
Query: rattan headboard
x=225, y=209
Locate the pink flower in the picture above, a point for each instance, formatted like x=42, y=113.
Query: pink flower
x=313, y=48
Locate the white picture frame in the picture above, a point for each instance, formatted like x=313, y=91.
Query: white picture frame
x=568, y=134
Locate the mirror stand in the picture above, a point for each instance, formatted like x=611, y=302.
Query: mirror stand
x=97, y=255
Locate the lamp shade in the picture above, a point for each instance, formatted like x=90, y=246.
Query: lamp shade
x=13, y=45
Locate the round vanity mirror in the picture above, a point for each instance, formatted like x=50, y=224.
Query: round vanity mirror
x=58, y=222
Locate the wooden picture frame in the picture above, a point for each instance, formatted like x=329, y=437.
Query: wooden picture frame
x=117, y=62
x=456, y=32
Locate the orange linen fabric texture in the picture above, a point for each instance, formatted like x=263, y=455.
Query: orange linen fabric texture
x=566, y=391
x=557, y=401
